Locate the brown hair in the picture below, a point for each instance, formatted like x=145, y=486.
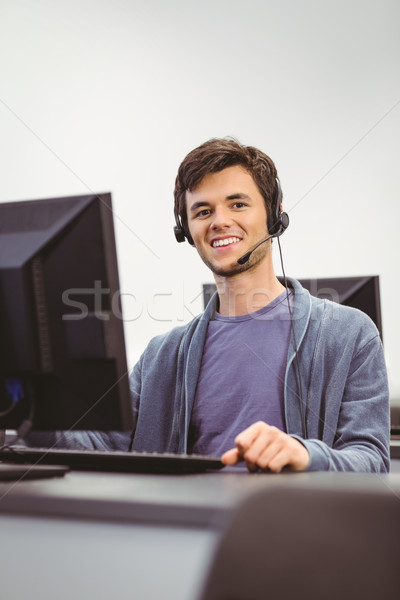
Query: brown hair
x=214, y=156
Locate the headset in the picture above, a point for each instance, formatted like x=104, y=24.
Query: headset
x=180, y=233
x=280, y=220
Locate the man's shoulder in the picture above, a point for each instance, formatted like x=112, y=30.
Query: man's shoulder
x=174, y=337
x=168, y=338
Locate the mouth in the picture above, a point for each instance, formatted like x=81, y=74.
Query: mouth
x=225, y=242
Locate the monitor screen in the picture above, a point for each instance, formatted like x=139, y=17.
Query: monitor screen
x=359, y=292
x=62, y=351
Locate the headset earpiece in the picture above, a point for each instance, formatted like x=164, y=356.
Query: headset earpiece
x=280, y=219
x=179, y=231
x=179, y=235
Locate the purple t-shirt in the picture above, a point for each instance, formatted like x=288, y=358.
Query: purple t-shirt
x=241, y=377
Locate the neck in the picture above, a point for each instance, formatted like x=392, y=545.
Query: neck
x=247, y=292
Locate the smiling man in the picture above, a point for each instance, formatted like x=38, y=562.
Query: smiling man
x=226, y=216
x=268, y=377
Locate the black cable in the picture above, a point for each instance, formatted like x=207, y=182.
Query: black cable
x=302, y=406
x=131, y=441
x=27, y=423
x=8, y=410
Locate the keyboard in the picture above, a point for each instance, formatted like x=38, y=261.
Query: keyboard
x=112, y=461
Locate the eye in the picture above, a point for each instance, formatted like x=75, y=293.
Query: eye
x=239, y=205
x=203, y=213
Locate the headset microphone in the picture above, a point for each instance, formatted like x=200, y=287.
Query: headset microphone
x=243, y=259
x=282, y=226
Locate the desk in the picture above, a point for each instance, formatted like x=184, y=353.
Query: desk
x=96, y=535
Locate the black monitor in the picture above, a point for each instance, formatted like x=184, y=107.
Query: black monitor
x=359, y=292
x=62, y=350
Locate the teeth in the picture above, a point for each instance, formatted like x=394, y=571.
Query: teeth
x=225, y=242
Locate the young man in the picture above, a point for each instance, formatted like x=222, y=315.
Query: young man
x=267, y=376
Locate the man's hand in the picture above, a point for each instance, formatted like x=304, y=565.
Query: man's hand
x=262, y=446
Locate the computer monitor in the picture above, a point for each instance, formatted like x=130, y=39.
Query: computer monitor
x=359, y=292
x=62, y=351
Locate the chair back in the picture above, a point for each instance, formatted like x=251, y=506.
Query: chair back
x=289, y=543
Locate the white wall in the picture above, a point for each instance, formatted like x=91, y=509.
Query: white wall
x=109, y=95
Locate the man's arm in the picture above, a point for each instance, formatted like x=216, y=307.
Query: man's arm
x=357, y=439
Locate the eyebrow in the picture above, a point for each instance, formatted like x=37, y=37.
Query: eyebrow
x=235, y=196
x=238, y=196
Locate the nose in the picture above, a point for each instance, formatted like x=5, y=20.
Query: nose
x=221, y=218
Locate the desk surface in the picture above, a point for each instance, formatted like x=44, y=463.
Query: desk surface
x=200, y=500
x=97, y=535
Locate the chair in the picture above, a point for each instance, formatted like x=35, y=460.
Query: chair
x=315, y=544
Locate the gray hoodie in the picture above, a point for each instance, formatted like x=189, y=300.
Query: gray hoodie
x=336, y=398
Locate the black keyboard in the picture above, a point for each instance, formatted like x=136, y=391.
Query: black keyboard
x=112, y=461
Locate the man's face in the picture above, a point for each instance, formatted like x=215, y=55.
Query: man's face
x=226, y=218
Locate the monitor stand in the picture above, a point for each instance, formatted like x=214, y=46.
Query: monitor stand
x=10, y=471
x=18, y=472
